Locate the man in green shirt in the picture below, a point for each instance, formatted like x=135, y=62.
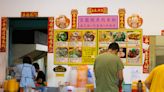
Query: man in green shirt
x=108, y=70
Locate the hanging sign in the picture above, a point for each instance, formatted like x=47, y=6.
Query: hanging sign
x=97, y=10
x=29, y=14
x=60, y=69
x=95, y=22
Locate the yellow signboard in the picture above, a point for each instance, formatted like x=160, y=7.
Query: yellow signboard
x=82, y=46
x=75, y=46
x=129, y=40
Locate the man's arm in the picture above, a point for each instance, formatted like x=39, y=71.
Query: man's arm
x=120, y=72
x=94, y=68
x=120, y=76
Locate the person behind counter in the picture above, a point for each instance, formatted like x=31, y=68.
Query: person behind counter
x=40, y=79
x=108, y=70
x=155, y=81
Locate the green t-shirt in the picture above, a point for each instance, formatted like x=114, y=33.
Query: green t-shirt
x=106, y=68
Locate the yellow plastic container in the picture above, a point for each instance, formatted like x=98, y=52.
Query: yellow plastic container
x=90, y=87
x=135, y=89
x=5, y=85
x=11, y=85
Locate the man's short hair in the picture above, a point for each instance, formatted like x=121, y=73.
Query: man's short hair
x=114, y=46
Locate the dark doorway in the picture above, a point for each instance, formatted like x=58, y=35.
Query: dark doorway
x=25, y=34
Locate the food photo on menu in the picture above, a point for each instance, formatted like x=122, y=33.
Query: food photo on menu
x=122, y=52
x=75, y=36
x=89, y=36
x=102, y=50
x=62, y=36
x=119, y=36
x=105, y=36
x=62, y=52
x=134, y=55
x=133, y=36
x=75, y=52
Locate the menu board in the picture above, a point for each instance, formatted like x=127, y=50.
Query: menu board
x=129, y=40
x=75, y=46
x=82, y=46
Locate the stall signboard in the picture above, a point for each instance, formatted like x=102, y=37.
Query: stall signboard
x=60, y=69
x=29, y=14
x=75, y=46
x=98, y=22
x=97, y=10
x=129, y=40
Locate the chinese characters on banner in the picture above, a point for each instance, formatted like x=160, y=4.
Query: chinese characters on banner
x=29, y=14
x=98, y=22
x=75, y=46
x=50, y=34
x=97, y=10
x=3, y=34
x=146, y=40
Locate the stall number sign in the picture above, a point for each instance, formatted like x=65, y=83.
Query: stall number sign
x=60, y=69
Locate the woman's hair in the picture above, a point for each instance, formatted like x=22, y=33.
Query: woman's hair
x=27, y=59
x=36, y=65
x=114, y=46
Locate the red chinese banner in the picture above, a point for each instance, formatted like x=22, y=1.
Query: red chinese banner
x=146, y=40
x=3, y=34
x=29, y=14
x=97, y=10
x=50, y=34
